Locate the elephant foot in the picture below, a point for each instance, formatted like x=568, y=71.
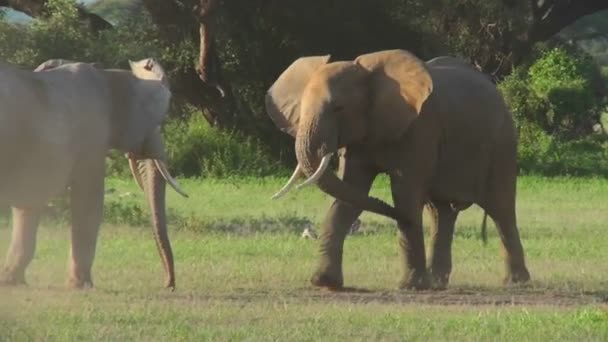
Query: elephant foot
x=517, y=276
x=11, y=279
x=415, y=281
x=439, y=279
x=79, y=284
x=328, y=280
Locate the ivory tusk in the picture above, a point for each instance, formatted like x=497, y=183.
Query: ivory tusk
x=297, y=173
x=135, y=172
x=167, y=176
x=320, y=170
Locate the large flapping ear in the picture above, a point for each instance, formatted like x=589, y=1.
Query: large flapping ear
x=283, y=97
x=399, y=86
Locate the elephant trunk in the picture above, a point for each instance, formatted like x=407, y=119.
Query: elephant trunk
x=153, y=184
x=318, y=138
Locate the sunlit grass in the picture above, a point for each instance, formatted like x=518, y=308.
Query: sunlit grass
x=242, y=274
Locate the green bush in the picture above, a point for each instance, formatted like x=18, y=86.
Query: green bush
x=527, y=108
x=546, y=155
x=565, y=81
x=556, y=93
x=195, y=149
x=555, y=106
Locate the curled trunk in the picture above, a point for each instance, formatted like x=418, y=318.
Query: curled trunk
x=316, y=139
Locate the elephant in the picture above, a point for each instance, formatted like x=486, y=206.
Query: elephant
x=440, y=130
x=57, y=124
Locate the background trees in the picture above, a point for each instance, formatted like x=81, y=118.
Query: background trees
x=237, y=48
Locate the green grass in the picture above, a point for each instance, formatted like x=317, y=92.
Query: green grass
x=243, y=270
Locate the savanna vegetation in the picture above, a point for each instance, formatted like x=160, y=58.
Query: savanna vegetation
x=242, y=272
x=242, y=267
x=525, y=46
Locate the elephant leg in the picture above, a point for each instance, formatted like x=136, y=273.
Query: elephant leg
x=337, y=223
x=23, y=245
x=87, y=212
x=500, y=206
x=409, y=202
x=442, y=232
x=513, y=252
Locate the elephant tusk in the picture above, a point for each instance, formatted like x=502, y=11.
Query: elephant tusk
x=162, y=168
x=297, y=173
x=135, y=172
x=320, y=171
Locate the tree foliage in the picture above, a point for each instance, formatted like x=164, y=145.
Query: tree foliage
x=242, y=46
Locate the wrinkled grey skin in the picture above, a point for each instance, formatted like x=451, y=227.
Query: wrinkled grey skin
x=57, y=125
x=440, y=130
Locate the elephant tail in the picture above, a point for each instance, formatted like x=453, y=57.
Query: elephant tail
x=484, y=228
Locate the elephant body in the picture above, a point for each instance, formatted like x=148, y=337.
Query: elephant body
x=43, y=154
x=56, y=127
x=474, y=125
x=440, y=130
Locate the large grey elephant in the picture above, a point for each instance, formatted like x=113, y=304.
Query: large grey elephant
x=56, y=126
x=440, y=130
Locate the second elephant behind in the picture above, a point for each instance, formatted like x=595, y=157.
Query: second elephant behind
x=439, y=129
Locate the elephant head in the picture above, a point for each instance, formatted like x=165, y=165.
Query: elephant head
x=144, y=147
x=327, y=106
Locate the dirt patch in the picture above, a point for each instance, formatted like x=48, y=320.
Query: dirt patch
x=467, y=297
x=451, y=297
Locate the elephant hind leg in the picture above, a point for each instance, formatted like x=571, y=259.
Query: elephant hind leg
x=513, y=252
x=442, y=232
x=22, y=247
x=500, y=206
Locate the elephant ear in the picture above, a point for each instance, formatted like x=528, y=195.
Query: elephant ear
x=283, y=97
x=140, y=100
x=399, y=86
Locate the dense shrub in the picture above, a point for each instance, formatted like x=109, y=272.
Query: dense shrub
x=195, y=149
x=547, y=155
x=558, y=93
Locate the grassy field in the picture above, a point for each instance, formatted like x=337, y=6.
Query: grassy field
x=242, y=273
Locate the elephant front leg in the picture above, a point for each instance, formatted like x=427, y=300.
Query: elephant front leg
x=87, y=212
x=337, y=223
x=442, y=232
x=408, y=201
x=334, y=229
x=22, y=247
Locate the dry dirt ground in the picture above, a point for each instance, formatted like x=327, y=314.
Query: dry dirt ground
x=449, y=297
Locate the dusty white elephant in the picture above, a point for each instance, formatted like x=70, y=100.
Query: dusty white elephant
x=56, y=126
